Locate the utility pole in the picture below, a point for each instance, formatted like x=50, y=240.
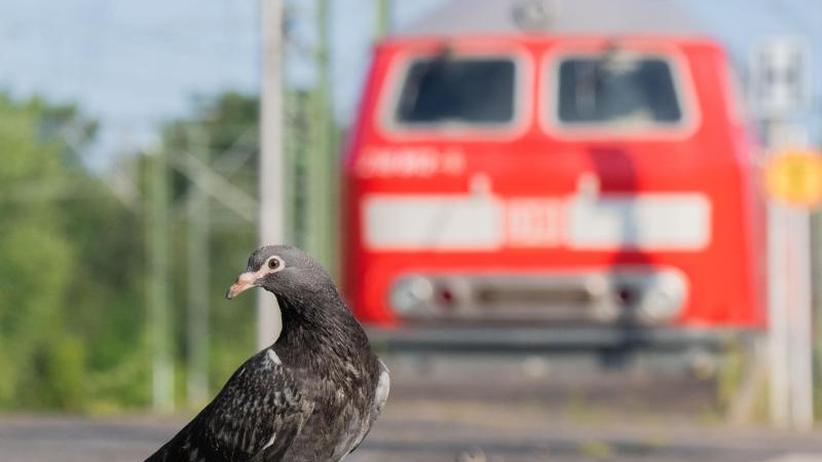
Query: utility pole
x=159, y=315
x=780, y=90
x=198, y=256
x=271, y=171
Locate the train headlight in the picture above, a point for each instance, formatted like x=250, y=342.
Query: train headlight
x=411, y=293
x=663, y=297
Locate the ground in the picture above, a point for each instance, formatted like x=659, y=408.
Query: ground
x=488, y=408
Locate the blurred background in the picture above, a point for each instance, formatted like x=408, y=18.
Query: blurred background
x=576, y=230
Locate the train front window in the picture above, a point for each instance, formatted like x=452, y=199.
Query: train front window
x=617, y=90
x=442, y=91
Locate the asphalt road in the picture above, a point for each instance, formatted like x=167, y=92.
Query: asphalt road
x=502, y=409
x=425, y=432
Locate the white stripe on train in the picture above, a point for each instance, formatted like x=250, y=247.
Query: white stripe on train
x=488, y=222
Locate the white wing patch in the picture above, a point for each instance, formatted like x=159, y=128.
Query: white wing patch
x=383, y=388
x=271, y=441
x=272, y=356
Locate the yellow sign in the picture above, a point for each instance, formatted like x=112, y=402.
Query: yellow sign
x=795, y=177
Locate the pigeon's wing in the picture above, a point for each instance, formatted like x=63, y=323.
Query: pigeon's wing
x=380, y=398
x=256, y=417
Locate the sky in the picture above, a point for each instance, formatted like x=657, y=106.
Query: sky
x=134, y=64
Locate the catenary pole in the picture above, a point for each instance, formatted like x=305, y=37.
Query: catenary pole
x=383, y=17
x=159, y=290
x=199, y=261
x=321, y=159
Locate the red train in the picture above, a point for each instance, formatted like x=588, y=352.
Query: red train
x=535, y=180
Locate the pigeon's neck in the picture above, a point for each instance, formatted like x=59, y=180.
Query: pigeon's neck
x=320, y=328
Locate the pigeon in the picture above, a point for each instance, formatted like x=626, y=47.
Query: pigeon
x=311, y=396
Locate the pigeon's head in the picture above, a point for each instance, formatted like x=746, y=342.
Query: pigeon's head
x=283, y=270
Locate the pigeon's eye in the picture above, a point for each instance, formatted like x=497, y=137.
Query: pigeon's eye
x=274, y=263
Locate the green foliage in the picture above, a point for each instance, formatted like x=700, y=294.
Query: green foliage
x=68, y=271
x=72, y=259
x=36, y=268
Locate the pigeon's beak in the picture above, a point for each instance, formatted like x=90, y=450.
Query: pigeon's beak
x=244, y=282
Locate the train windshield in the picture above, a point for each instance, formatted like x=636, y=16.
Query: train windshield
x=447, y=90
x=617, y=90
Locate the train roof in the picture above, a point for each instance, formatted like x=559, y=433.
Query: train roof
x=539, y=39
x=635, y=17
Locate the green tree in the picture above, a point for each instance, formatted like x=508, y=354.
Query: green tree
x=42, y=361
x=72, y=257
x=70, y=300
